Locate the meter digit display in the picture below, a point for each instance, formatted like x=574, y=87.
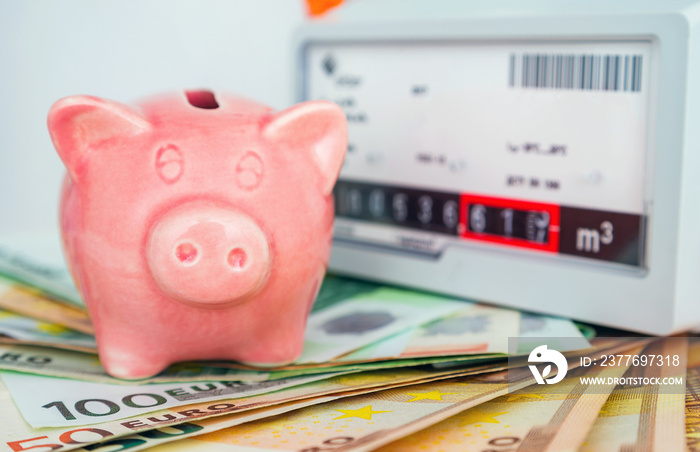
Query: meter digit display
x=400, y=206
x=515, y=223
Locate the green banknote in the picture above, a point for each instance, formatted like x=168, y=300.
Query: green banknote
x=36, y=260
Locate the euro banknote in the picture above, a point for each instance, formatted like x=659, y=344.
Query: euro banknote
x=473, y=329
x=107, y=437
x=692, y=397
x=59, y=402
x=39, y=332
x=367, y=318
x=33, y=303
x=37, y=261
x=538, y=418
x=639, y=416
x=86, y=367
x=476, y=329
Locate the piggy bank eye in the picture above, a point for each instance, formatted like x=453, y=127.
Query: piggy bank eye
x=249, y=171
x=169, y=164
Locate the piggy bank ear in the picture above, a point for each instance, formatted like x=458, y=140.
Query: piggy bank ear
x=319, y=127
x=78, y=123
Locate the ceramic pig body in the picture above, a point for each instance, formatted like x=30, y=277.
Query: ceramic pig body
x=193, y=232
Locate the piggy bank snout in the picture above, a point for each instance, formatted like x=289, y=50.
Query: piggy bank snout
x=208, y=256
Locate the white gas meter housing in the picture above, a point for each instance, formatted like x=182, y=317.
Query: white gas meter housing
x=543, y=155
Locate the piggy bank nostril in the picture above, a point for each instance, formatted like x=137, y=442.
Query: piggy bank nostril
x=237, y=258
x=186, y=253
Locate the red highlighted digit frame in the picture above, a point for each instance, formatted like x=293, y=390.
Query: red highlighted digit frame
x=553, y=210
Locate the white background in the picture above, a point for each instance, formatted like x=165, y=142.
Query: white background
x=123, y=50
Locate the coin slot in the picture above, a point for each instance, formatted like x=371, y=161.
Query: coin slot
x=202, y=99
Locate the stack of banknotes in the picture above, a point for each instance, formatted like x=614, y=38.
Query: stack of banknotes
x=383, y=369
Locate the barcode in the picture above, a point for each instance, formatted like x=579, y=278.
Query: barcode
x=576, y=72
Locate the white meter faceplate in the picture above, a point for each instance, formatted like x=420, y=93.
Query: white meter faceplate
x=531, y=146
x=543, y=155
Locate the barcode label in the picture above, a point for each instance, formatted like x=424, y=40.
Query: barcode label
x=576, y=72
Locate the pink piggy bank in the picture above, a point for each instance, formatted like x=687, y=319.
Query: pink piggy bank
x=197, y=226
